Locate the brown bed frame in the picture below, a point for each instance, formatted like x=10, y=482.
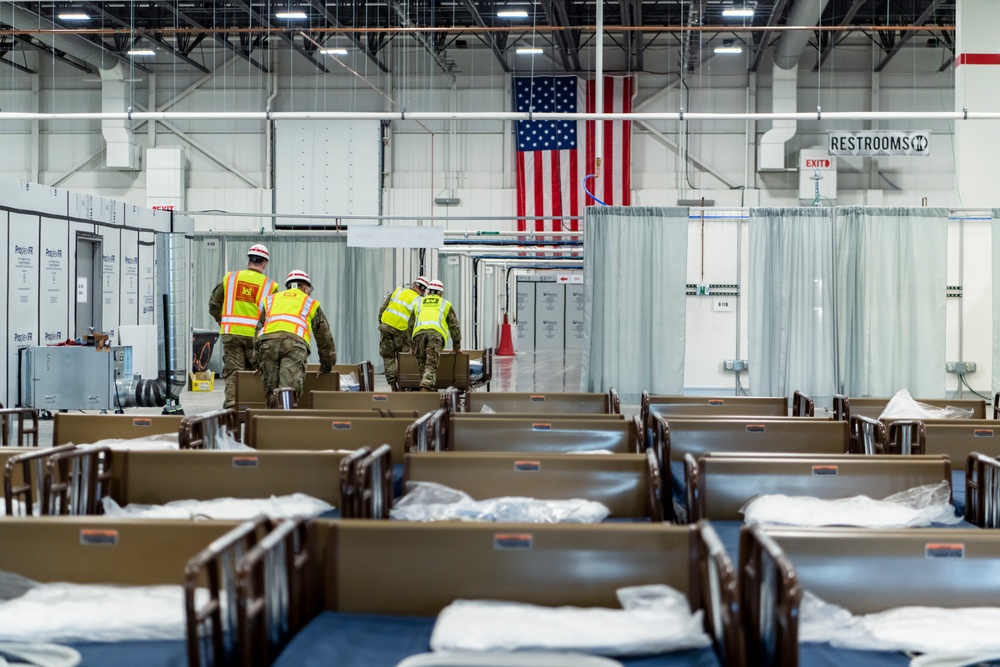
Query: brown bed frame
x=27, y=427
x=710, y=406
x=79, y=429
x=580, y=403
x=420, y=402
x=453, y=370
x=250, y=389
x=298, y=430
x=845, y=407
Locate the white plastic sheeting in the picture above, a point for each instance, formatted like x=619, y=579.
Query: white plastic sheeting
x=428, y=501
x=919, y=506
x=239, y=509
x=63, y=612
x=158, y=441
x=904, y=406
x=652, y=621
x=930, y=630
x=16, y=654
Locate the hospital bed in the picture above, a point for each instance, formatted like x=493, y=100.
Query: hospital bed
x=454, y=370
x=863, y=571
x=299, y=430
x=250, y=388
x=369, y=590
x=406, y=402
x=26, y=429
x=710, y=406
x=79, y=428
x=364, y=373
x=95, y=550
x=580, y=403
x=845, y=407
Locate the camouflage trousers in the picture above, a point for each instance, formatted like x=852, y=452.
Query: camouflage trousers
x=237, y=355
x=391, y=342
x=282, y=364
x=427, y=348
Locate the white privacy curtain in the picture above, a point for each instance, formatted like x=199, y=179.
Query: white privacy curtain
x=790, y=303
x=346, y=281
x=891, y=281
x=995, y=229
x=634, y=278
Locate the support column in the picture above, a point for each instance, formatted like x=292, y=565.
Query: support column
x=977, y=87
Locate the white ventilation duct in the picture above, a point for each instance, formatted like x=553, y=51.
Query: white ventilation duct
x=122, y=152
x=785, y=77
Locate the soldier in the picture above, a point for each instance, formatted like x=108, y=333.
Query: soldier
x=235, y=304
x=434, y=319
x=395, y=327
x=286, y=325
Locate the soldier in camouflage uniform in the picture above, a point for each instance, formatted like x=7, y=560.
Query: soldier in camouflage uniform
x=287, y=323
x=434, y=320
x=235, y=304
x=396, y=326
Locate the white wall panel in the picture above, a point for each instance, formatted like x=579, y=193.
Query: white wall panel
x=22, y=290
x=7, y=400
x=54, y=280
x=147, y=261
x=129, y=278
x=112, y=275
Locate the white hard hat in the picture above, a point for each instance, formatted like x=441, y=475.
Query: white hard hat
x=259, y=250
x=297, y=276
x=436, y=285
x=422, y=280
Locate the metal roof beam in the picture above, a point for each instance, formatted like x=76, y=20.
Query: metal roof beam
x=832, y=37
x=285, y=36
x=908, y=35
x=777, y=9
x=354, y=37
x=222, y=39
x=490, y=39
x=27, y=40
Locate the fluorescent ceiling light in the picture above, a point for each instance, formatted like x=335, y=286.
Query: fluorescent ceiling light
x=333, y=52
x=290, y=15
x=728, y=49
x=528, y=51
x=74, y=16
x=737, y=11
x=141, y=52
x=513, y=14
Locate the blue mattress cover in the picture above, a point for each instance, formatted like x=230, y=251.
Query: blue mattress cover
x=958, y=490
x=397, y=480
x=129, y=654
x=824, y=655
x=330, y=514
x=375, y=640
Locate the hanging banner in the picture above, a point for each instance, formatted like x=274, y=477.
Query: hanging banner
x=880, y=142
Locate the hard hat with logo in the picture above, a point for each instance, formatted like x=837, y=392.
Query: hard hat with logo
x=258, y=250
x=436, y=286
x=422, y=281
x=298, y=276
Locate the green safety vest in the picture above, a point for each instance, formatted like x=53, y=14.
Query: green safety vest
x=401, y=303
x=432, y=311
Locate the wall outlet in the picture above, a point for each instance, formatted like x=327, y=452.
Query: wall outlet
x=735, y=365
x=702, y=289
x=960, y=367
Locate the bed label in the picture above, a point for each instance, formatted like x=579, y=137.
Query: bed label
x=939, y=550
x=341, y=426
x=537, y=397
x=512, y=541
x=95, y=537
x=139, y=421
x=716, y=401
x=380, y=397
x=541, y=427
x=825, y=470
x=527, y=466
x=982, y=433
x=755, y=428
x=244, y=461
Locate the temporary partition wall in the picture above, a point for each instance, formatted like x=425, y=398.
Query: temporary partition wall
x=48, y=284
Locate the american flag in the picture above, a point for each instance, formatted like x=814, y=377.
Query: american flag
x=553, y=156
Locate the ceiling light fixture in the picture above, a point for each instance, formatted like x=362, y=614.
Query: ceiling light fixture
x=742, y=12
x=513, y=14
x=73, y=16
x=528, y=51
x=141, y=52
x=333, y=52
x=290, y=15
x=728, y=47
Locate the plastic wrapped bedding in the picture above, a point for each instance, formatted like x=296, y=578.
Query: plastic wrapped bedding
x=929, y=630
x=919, y=506
x=903, y=406
x=349, y=382
x=240, y=509
x=655, y=619
x=428, y=501
x=476, y=370
x=63, y=612
x=17, y=654
x=158, y=441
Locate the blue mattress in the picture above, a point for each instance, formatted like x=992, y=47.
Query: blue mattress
x=373, y=640
x=397, y=480
x=824, y=655
x=330, y=514
x=678, y=484
x=129, y=654
x=958, y=490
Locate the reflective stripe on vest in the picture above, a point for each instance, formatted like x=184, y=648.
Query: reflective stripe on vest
x=291, y=311
x=432, y=311
x=245, y=294
x=401, y=304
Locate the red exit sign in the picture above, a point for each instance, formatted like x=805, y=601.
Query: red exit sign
x=812, y=163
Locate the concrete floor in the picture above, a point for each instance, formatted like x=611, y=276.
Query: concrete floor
x=544, y=371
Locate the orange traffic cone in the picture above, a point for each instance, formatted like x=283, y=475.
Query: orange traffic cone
x=506, y=348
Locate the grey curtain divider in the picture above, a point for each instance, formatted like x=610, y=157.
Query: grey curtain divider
x=635, y=276
x=347, y=282
x=995, y=229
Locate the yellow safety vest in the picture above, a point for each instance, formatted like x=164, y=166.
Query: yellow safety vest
x=291, y=311
x=245, y=294
x=401, y=303
x=432, y=312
